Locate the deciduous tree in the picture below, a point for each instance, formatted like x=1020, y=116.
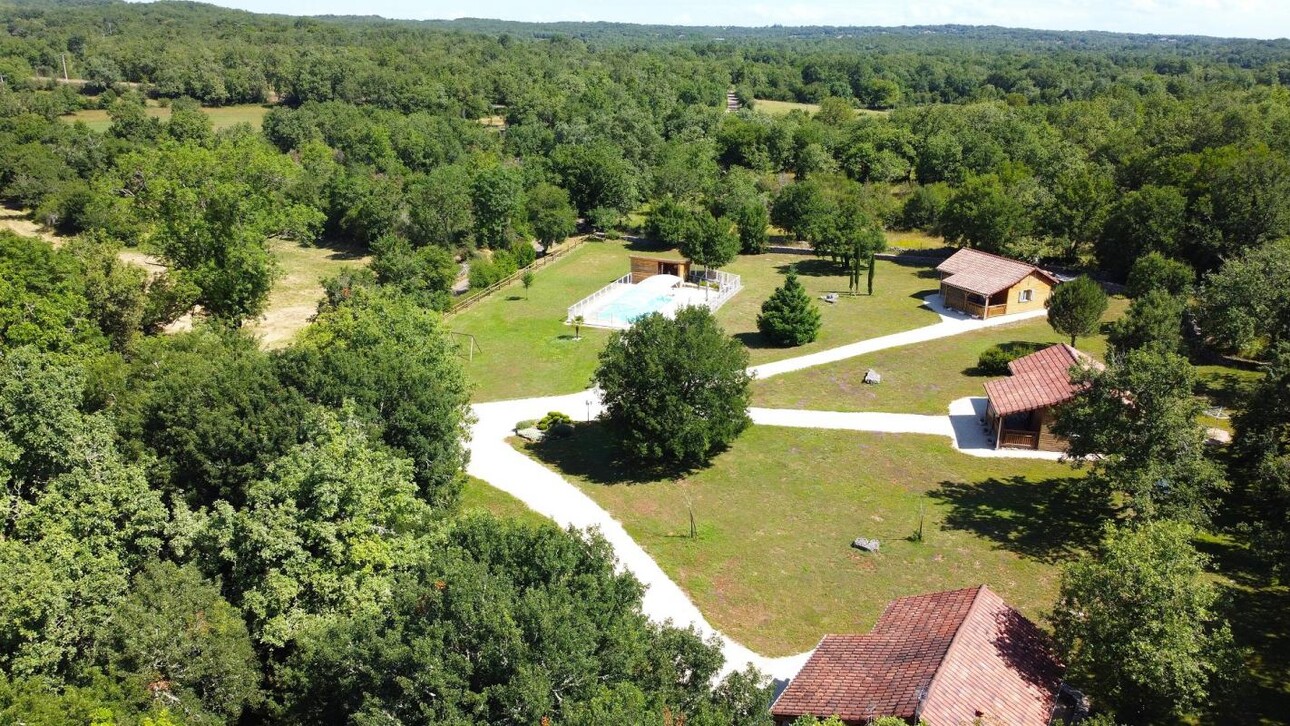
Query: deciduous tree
x=1137, y=625
x=667, y=404
x=1137, y=423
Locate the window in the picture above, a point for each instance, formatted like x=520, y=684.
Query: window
x=1026, y=296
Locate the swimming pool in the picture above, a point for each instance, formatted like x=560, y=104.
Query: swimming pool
x=621, y=303
x=633, y=304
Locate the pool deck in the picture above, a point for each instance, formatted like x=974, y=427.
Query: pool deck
x=618, y=305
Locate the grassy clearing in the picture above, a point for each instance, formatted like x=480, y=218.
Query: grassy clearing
x=221, y=116
x=921, y=378
x=914, y=240
x=477, y=495
x=775, y=515
x=295, y=295
x=895, y=306
x=782, y=108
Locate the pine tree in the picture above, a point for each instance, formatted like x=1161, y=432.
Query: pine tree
x=789, y=317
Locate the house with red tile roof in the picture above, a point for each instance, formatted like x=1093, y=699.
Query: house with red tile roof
x=1020, y=413
x=985, y=285
x=948, y=658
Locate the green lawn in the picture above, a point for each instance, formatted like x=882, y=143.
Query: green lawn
x=524, y=347
x=895, y=306
x=477, y=494
x=221, y=116
x=775, y=514
x=922, y=378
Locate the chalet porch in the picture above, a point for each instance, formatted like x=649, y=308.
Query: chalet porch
x=1018, y=431
x=973, y=303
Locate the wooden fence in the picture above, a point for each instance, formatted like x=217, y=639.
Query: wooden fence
x=551, y=256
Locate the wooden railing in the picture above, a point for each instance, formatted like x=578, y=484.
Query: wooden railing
x=984, y=311
x=551, y=256
x=1019, y=439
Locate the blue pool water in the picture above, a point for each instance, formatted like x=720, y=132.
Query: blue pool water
x=633, y=304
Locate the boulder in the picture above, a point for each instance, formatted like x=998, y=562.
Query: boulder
x=530, y=434
x=866, y=545
x=872, y=377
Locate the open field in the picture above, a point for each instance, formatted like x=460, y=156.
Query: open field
x=895, y=306
x=921, y=378
x=221, y=116
x=771, y=565
x=295, y=295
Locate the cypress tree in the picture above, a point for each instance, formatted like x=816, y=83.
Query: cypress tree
x=789, y=317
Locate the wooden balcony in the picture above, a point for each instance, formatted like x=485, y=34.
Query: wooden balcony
x=1018, y=439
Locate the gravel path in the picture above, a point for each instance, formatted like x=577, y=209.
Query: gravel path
x=546, y=492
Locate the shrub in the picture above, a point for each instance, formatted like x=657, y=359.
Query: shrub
x=523, y=254
x=552, y=419
x=995, y=359
x=560, y=431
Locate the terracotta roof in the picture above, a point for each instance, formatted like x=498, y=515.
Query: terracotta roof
x=1039, y=380
x=986, y=274
x=949, y=657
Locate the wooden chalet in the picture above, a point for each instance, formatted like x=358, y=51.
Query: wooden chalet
x=1020, y=412
x=946, y=658
x=985, y=285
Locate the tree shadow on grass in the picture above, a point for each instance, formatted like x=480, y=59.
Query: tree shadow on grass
x=1228, y=390
x=342, y=249
x=1258, y=609
x=812, y=267
x=754, y=340
x=593, y=454
x=1049, y=521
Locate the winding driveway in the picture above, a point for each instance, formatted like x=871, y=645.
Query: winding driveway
x=548, y=493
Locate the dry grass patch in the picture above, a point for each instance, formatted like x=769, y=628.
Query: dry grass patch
x=294, y=298
x=222, y=117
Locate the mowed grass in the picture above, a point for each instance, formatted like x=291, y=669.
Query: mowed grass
x=922, y=378
x=523, y=346
x=222, y=117
x=525, y=349
x=293, y=301
x=477, y=495
x=772, y=564
x=897, y=303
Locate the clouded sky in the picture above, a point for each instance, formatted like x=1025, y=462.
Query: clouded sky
x=1243, y=18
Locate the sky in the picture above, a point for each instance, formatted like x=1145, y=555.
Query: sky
x=1229, y=18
